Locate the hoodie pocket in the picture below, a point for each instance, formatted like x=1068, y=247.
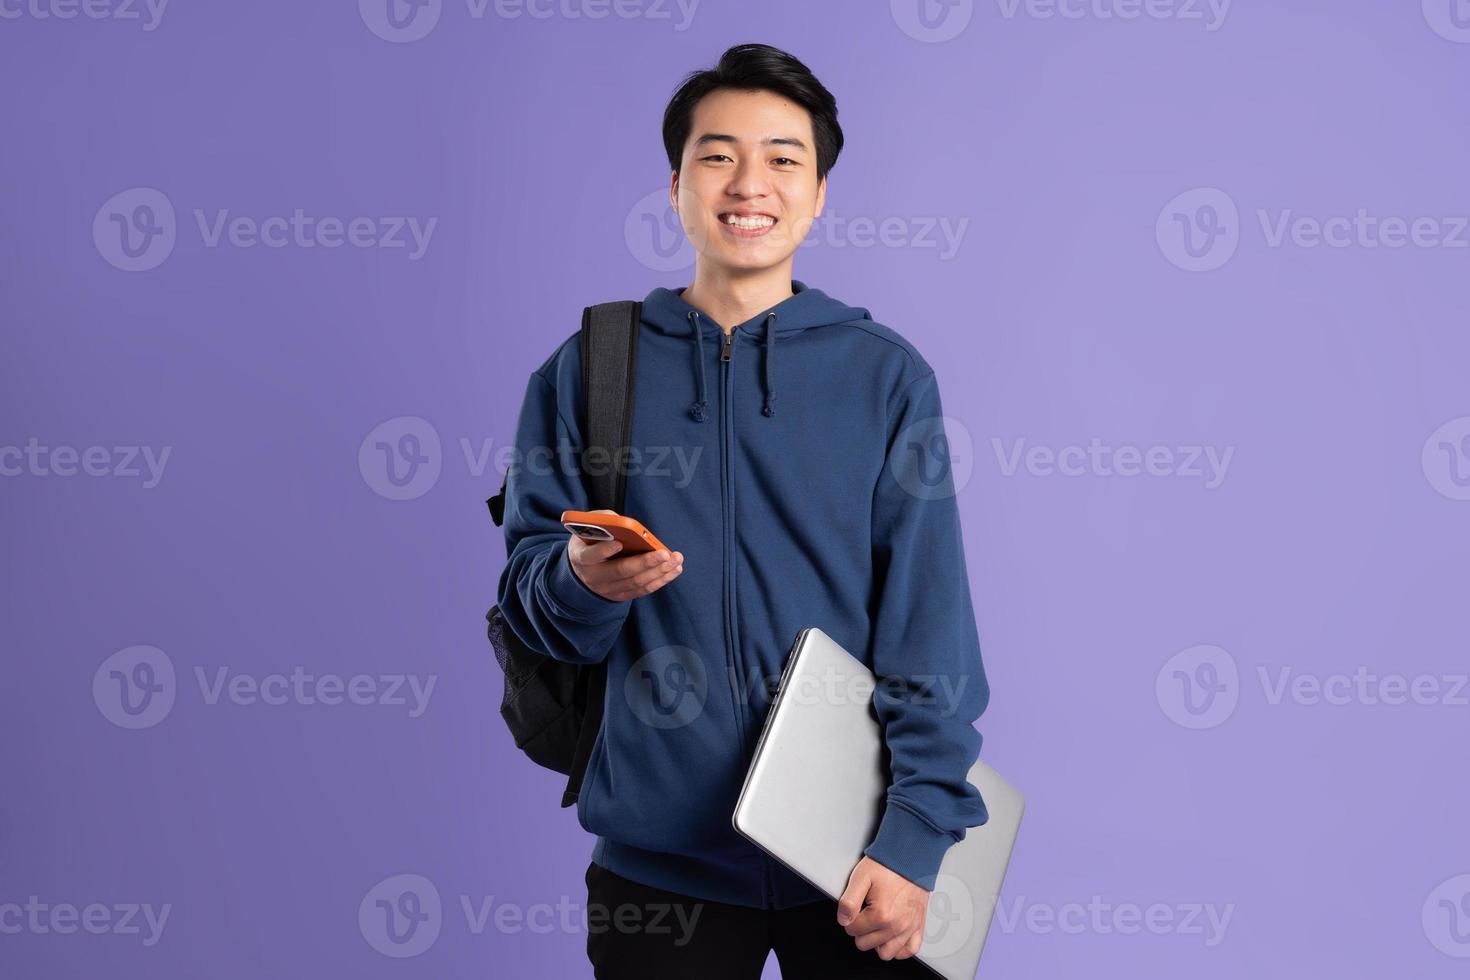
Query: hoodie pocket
x=667, y=766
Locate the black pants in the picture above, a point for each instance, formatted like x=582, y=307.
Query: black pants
x=636, y=932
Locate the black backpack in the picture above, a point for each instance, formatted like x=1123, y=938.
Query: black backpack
x=554, y=708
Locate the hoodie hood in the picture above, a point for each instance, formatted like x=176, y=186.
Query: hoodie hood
x=666, y=311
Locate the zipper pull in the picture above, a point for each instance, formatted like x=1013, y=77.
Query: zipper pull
x=729, y=346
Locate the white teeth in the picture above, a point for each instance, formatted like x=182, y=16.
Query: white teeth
x=749, y=224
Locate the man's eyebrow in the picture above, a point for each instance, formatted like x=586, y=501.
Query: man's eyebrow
x=791, y=141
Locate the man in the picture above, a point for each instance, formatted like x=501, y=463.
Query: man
x=790, y=450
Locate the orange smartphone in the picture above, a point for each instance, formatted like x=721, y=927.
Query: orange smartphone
x=635, y=538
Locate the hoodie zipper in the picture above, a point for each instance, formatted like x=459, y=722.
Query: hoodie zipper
x=727, y=493
x=732, y=637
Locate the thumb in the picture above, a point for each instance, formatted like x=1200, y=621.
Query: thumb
x=601, y=551
x=851, y=902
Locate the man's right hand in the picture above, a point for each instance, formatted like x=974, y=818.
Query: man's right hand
x=628, y=577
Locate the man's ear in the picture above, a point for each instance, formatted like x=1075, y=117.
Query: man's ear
x=821, y=197
x=674, y=191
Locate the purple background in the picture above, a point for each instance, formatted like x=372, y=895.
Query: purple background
x=1333, y=543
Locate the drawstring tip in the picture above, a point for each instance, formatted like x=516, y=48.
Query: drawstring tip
x=696, y=411
x=767, y=410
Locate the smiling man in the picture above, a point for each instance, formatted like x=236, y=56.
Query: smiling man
x=823, y=498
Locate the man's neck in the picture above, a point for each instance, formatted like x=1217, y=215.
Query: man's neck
x=730, y=301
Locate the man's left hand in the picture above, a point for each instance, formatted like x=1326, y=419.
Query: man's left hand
x=883, y=910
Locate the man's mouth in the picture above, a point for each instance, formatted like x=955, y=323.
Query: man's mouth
x=747, y=223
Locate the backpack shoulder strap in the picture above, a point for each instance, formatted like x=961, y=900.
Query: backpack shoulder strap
x=609, y=362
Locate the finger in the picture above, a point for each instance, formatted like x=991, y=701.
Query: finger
x=916, y=940
x=590, y=552
x=602, y=510
x=877, y=937
x=893, y=948
x=663, y=580
x=656, y=570
x=651, y=579
x=643, y=582
x=850, y=905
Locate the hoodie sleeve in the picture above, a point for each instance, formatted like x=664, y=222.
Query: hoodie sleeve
x=542, y=599
x=926, y=651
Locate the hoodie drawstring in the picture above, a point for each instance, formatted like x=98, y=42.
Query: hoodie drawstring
x=699, y=411
x=701, y=403
x=769, y=409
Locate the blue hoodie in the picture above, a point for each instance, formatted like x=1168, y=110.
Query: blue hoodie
x=800, y=467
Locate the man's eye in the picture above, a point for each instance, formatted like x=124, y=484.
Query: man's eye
x=784, y=160
x=716, y=156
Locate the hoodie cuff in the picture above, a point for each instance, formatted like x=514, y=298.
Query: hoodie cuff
x=575, y=601
x=907, y=844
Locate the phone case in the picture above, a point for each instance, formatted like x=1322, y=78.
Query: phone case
x=634, y=537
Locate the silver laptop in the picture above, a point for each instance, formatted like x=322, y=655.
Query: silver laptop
x=815, y=791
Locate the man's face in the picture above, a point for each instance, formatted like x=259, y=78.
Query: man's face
x=747, y=191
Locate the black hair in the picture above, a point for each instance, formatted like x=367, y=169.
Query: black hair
x=756, y=67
